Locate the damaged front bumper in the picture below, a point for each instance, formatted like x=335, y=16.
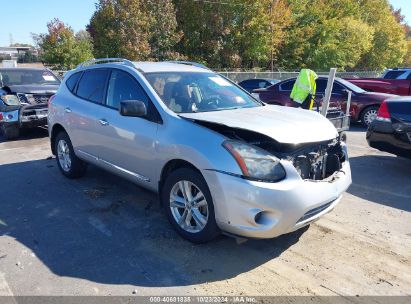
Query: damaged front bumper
x=25, y=117
x=266, y=210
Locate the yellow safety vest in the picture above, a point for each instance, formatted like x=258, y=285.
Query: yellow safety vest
x=303, y=86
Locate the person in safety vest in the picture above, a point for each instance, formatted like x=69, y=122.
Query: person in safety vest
x=304, y=89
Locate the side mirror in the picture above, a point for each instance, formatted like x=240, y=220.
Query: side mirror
x=135, y=108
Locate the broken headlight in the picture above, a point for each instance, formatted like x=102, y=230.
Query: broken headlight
x=255, y=163
x=10, y=100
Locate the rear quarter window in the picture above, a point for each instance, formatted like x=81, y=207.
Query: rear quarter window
x=72, y=81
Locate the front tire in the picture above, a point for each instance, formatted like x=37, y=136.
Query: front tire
x=10, y=132
x=368, y=115
x=189, y=207
x=69, y=164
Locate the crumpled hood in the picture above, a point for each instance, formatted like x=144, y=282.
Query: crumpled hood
x=34, y=89
x=283, y=124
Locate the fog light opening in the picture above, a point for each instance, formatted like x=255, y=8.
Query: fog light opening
x=258, y=217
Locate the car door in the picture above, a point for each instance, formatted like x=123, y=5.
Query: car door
x=284, y=91
x=127, y=144
x=338, y=96
x=82, y=112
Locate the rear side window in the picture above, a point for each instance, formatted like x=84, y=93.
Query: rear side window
x=72, y=81
x=92, y=85
x=337, y=88
x=393, y=74
x=409, y=76
x=287, y=86
x=263, y=84
x=321, y=85
x=253, y=82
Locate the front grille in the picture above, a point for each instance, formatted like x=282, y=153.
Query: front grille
x=38, y=98
x=313, y=212
x=33, y=98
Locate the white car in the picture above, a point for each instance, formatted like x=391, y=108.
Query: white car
x=221, y=160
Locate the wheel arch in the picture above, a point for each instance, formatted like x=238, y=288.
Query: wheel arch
x=57, y=128
x=173, y=165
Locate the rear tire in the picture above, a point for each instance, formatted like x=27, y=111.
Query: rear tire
x=69, y=164
x=189, y=207
x=10, y=132
x=368, y=115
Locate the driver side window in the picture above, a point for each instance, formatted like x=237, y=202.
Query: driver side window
x=123, y=87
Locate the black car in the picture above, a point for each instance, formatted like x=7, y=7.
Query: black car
x=257, y=83
x=391, y=130
x=24, y=94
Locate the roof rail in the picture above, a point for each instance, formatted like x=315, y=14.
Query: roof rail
x=196, y=64
x=106, y=60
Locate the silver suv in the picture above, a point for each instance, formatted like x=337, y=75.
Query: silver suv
x=221, y=160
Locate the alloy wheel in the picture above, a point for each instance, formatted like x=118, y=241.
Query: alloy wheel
x=63, y=154
x=369, y=116
x=189, y=206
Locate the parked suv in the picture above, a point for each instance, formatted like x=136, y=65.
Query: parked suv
x=24, y=93
x=221, y=160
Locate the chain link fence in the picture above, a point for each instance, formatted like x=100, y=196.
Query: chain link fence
x=240, y=76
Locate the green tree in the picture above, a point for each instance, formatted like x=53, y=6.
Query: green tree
x=134, y=29
x=163, y=33
x=401, y=19
x=325, y=34
x=389, y=45
x=21, y=44
x=60, y=48
x=262, y=32
x=207, y=31
x=407, y=60
x=227, y=34
x=341, y=42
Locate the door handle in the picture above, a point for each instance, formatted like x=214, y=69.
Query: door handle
x=67, y=110
x=103, y=122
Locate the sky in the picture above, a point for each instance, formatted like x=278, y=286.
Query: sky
x=19, y=18
x=405, y=6
x=22, y=17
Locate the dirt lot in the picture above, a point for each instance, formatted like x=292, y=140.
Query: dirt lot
x=101, y=235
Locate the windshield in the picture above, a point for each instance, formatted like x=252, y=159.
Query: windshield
x=27, y=77
x=190, y=92
x=350, y=86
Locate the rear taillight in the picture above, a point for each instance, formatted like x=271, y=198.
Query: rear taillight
x=1, y=116
x=383, y=113
x=51, y=100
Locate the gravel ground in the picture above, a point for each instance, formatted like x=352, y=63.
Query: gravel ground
x=101, y=235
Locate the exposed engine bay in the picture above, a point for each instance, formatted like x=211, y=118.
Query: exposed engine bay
x=313, y=161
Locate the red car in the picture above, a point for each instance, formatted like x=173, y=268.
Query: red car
x=364, y=105
x=393, y=86
x=393, y=81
